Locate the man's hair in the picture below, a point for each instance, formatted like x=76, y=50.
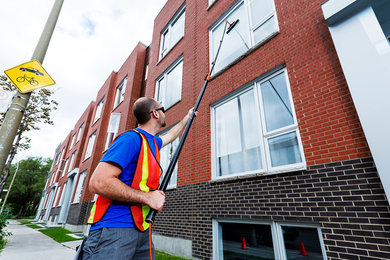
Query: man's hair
x=142, y=108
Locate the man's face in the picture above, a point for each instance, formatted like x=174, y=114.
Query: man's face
x=161, y=112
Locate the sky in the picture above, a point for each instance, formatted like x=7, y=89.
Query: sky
x=92, y=38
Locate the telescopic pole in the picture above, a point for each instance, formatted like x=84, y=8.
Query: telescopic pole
x=163, y=186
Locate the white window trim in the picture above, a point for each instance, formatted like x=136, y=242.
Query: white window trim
x=168, y=28
x=276, y=231
x=108, y=132
x=79, y=132
x=100, y=107
x=72, y=161
x=75, y=192
x=171, y=186
x=88, y=153
x=252, y=44
x=264, y=149
x=120, y=97
x=165, y=75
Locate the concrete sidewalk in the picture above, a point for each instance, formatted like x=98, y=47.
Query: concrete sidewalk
x=27, y=243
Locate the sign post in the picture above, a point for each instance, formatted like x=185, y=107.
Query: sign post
x=9, y=128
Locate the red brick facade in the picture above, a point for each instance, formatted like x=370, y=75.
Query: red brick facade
x=338, y=191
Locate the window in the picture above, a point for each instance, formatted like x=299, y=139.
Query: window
x=112, y=128
x=91, y=142
x=146, y=71
x=80, y=186
x=382, y=11
x=71, y=165
x=257, y=23
x=56, y=196
x=65, y=170
x=72, y=142
x=267, y=241
x=166, y=154
x=80, y=132
x=62, y=194
x=120, y=92
x=256, y=130
x=168, y=88
x=172, y=33
x=98, y=110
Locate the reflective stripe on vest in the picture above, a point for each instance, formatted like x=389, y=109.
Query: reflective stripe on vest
x=146, y=178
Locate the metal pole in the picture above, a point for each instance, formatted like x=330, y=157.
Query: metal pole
x=9, y=128
x=164, y=184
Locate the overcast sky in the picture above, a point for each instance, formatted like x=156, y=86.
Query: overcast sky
x=91, y=39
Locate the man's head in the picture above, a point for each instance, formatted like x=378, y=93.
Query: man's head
x=145, y=108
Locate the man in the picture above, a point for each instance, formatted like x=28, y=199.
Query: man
x=126, y=180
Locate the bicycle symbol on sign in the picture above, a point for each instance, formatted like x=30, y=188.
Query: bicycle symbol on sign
x=31, y=80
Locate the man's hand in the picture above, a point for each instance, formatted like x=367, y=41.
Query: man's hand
x=155, y=199
x=177, y=129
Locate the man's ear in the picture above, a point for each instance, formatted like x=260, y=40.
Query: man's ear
x=155, y=114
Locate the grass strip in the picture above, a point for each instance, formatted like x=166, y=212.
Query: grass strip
x=24, y=221
x=164, y=256
x=34, y=226
x=59, y=234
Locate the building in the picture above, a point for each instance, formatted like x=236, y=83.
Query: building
x=287, y=157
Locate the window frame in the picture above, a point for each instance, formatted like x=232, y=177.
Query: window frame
x=79, y=188
x=263, y=135
x=250, y=29
x=99, y=108
x=72, y=161
x=176, y=170
x=79, y=132
x=108, y=143
x=164, y=76
x=167, y=29
x=276, y=232
x=120, y=92
x=88, y=154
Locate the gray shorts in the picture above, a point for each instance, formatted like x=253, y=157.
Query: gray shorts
x=117, y=243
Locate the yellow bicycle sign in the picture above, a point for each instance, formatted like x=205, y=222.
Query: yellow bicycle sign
x=29, y=76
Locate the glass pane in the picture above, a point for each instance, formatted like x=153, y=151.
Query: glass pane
x=382, y=12
x=114, y=123
x=177, y=30
x=276, y=102
x=246, y=241
x=284, y=150
x=301, y=243
x=265, y=30
x=260, y=9
x=174, y=81
x=166, y=154
x=237, y=136
x=160, y=91
x=234, y=43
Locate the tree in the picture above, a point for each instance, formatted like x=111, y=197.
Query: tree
x=25, y=193
x=38, y=111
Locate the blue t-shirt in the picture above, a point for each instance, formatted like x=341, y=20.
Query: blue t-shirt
x=124, y=153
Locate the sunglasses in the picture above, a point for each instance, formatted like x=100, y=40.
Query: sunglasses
x=157, y=109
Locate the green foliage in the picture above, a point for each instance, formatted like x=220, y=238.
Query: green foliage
x=59, y=234
x=3, y=233
x=25, y=193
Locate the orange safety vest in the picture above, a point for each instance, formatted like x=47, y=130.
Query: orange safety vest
x=146, y=178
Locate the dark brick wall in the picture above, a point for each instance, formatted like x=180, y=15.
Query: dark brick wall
x=77, y=213
x=344, y=198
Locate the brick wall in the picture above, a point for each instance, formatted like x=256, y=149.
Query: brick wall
x=344, y=198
